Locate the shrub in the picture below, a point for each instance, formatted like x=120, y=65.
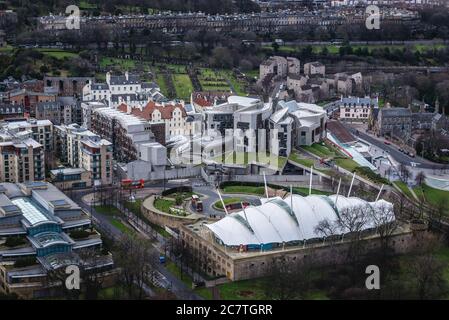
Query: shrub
x=371, y=175
x=79, y=234
x=183, y=189
x=14, y=241
x=25, y=262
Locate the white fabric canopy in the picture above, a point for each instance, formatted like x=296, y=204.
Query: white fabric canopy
x=292, y=219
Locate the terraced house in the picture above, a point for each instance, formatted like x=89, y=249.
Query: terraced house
x=43, y=231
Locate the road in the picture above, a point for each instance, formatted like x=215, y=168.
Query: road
x=213, y=197
x=178, y=287
x=394, y=152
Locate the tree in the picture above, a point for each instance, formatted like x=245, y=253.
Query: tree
x=404, y=173
x=179, y=199
x=287, y=279
x=427, y=272
x=136, y=260
x=420, y=178
x=351, y=222
x=383, y=219
x=222, y=58
x=91, y=277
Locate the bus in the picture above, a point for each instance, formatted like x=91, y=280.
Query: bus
x=133, y=184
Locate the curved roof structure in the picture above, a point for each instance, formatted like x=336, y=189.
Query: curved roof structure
x=294, y=219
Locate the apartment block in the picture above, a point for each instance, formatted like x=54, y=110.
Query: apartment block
x=21, y=158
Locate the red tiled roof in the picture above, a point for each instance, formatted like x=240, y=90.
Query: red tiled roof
x=147, y=112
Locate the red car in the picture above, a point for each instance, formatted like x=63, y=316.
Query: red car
x=387, y=142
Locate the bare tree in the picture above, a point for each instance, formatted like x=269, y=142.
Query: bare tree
x=91, y=277
x=383, y=219
x=287, y=279
x=404, y=172
x=420, y=178
x=134, y=257
x=351, y=222
x=428, y=274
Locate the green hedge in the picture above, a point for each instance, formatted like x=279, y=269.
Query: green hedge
x=183, y=189
x=25, y=262
x=251, y=184
x=79, y=234
x=371, y=175
x=14, y=241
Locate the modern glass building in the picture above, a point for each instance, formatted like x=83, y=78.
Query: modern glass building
x=37, y=222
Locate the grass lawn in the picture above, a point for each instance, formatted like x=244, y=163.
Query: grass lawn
x=58, y=54
x=305, y=191
x=238, y=86
x=432, y=196
x=176, y=271
x=404, y=188
x=7, y=49
x=245, y=190
x=108, y=210
x=346, y=163
x=124, y=64
x=183, y=86
x=227, y=201
x=303, y=161
x=162, y=84
x=85, y=5
x=320, y=150
x=187, y=279
x=121, y=226
x=243, y=290
x=164, y=205
x=134, y=206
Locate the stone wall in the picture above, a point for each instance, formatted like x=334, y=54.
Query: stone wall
x=164, y=219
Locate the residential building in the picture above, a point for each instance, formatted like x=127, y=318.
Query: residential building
x=50, y=111
x=81, y=148
x=200, y=100
x=314, y=68
x=122, y=89
x=68, y=143
x=125, y=131
x=96, y=157
x=43, y=218
x=21, y=157
x=173, y=115
x=87, y=108
x=40, y=130
x=357, y=109
x=29, y=99
x=71, y=178
x=279, y=66
x=11, y=111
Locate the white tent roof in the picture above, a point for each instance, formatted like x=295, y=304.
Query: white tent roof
x=291, y=219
